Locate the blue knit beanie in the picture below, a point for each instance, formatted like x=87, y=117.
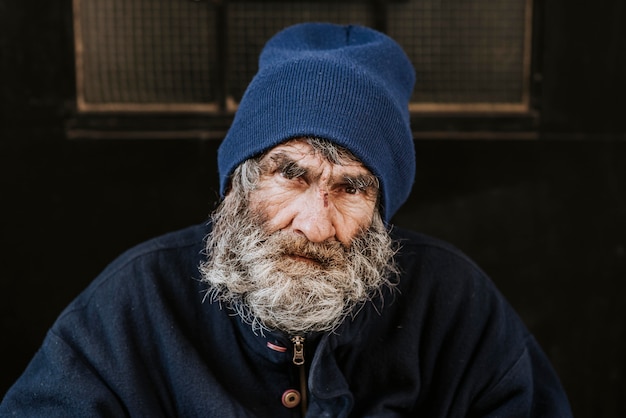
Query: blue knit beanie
x=347, y=84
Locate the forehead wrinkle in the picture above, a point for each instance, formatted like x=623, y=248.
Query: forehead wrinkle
x=289, y=154
x=303, y=146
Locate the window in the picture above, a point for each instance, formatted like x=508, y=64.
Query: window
x=191, y=60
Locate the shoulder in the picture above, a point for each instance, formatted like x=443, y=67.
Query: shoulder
x=415, y=241
x=425, y=254
x=151, y=289
x=186, y=240
x=439, y=282
x=168, y=263
x=176, y=247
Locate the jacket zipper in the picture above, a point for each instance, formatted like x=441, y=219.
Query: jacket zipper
x=298, y=350
x=298, y=360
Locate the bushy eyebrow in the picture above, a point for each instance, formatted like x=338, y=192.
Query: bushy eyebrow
x=287, y=165
x=290, y=167
x=362, y=181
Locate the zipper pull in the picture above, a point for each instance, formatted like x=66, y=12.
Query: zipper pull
x=298, y=350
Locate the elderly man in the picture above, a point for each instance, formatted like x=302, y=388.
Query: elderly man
x=298, y=298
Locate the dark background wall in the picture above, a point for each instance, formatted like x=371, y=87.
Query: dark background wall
x=545, y=218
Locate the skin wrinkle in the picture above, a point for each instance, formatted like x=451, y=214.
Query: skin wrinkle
x=275, y=276
x=295, y=178
x=281, y=162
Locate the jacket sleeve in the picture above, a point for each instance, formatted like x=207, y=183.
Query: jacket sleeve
x=58, y=383
x=474, y=357
x=509, y=374
x=530, y=388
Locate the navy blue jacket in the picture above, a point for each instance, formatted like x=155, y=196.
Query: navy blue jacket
x=142, y=341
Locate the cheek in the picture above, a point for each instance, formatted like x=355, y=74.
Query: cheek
x=354, y=215
x=356, y=209
x=271, y=205
x=355, y=220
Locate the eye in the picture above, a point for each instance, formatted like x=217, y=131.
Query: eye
x=354, y=186
x=351, y=190
x=362, y=186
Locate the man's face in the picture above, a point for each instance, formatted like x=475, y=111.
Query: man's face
x=303, y=193
x=297, y=247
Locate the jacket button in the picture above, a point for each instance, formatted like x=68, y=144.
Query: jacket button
x=291, y=398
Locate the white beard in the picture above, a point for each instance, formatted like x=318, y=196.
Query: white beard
x=283, y=281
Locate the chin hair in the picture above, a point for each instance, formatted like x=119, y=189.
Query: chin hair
x=248, y=271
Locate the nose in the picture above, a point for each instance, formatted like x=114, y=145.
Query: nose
x=314, y=218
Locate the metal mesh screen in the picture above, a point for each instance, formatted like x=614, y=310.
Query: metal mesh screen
x=464, y=51
x=145, y=52
x=162, y=54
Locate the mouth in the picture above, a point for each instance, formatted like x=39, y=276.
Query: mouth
x=304, y=259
